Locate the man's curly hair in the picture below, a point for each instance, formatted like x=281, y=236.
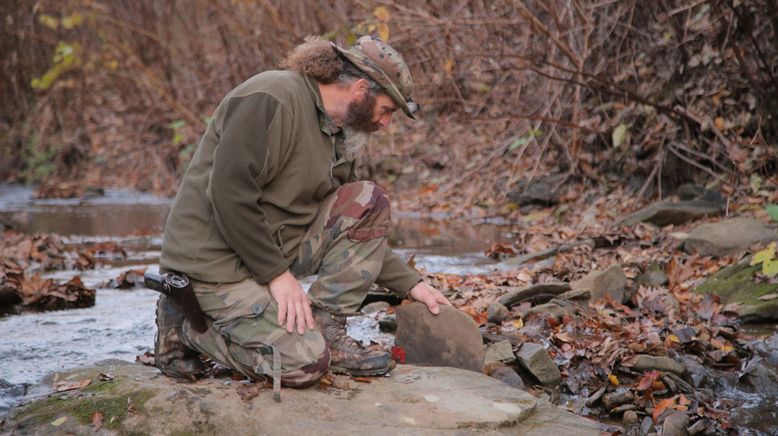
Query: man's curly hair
x=315, y=58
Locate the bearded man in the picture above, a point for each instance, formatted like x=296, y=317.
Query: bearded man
x=270, y=197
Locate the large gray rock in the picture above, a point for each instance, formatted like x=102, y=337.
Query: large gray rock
x=612, y=282
x=666, y=212
x=450, y=338
x=737, y=284
x=535, y=359
x=724, y=237
x=412, y=401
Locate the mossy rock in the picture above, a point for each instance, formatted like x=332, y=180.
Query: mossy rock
x=413, y=400
x=738, y=284
x=72, y=411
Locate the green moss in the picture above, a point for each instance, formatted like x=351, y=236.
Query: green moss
x=114, y=407
x=737, y=284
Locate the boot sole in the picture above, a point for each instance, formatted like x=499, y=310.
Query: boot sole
x=362, y=372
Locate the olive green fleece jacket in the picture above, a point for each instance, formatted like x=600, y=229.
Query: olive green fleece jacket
x=269, y=157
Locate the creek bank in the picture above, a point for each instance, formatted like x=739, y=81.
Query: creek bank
x=412, y=400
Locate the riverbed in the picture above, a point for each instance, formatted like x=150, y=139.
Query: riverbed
x=121, y=324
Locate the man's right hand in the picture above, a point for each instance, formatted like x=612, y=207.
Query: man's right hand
x=294, y=308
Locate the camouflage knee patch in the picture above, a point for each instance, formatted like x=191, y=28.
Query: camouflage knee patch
x=308, y=375
x=366, y=205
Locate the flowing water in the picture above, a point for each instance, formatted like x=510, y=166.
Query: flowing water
x=121, y=324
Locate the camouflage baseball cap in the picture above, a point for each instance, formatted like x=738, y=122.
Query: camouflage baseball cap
x=384, y=65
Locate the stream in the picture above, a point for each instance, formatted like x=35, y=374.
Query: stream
x=121, y=324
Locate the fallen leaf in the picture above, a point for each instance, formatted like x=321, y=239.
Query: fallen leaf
x=648, y=380
x=768, y=297
x=764, y=255
x=65, y=385
x=613, y=379
x=97, y=420
x=248, y=391
x=60, y=421
x=362, y=379
x=662, y=405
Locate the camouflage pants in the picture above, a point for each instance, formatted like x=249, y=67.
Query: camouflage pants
x=345, y=244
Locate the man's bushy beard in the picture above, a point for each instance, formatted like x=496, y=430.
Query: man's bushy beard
x=359, y=114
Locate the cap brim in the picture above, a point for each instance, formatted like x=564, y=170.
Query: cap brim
x=380, y=77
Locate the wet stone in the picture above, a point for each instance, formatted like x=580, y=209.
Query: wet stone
x=499, y=352
x=616, y=399
x=630, y=418
x=497, y=313
x=643, y=362
x=535, y=359
x=450, y=338
x=507, y=375
x=675, y=424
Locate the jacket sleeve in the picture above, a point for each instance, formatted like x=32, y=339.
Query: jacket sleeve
x=249, y=131
x=396, y=275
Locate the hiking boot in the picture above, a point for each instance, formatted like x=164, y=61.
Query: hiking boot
x=347, y=355
x=171, y=354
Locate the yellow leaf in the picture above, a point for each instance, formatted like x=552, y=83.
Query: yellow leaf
x=49, y=21
x=764, y=255
x=613, y=379
x=383, y=31
x=770, y=267
x=72, y=21
x=60, y=421
x=620, y=135
x=719, y=122
x=673, y=338
x=381, y=14
x=518, y=323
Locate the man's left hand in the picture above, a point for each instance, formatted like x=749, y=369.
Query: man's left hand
x=430, y=296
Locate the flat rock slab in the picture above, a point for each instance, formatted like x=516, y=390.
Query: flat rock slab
x=724, y=237
x=450, y=338
x=612, y=282
x=666, y=212
x=412, y=400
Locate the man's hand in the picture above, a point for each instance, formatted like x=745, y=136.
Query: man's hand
x=294, y=308
x=429, y=296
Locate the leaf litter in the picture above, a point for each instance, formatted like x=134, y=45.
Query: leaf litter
x=595, y=344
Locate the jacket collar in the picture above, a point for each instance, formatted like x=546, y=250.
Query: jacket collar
x=325, y=122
